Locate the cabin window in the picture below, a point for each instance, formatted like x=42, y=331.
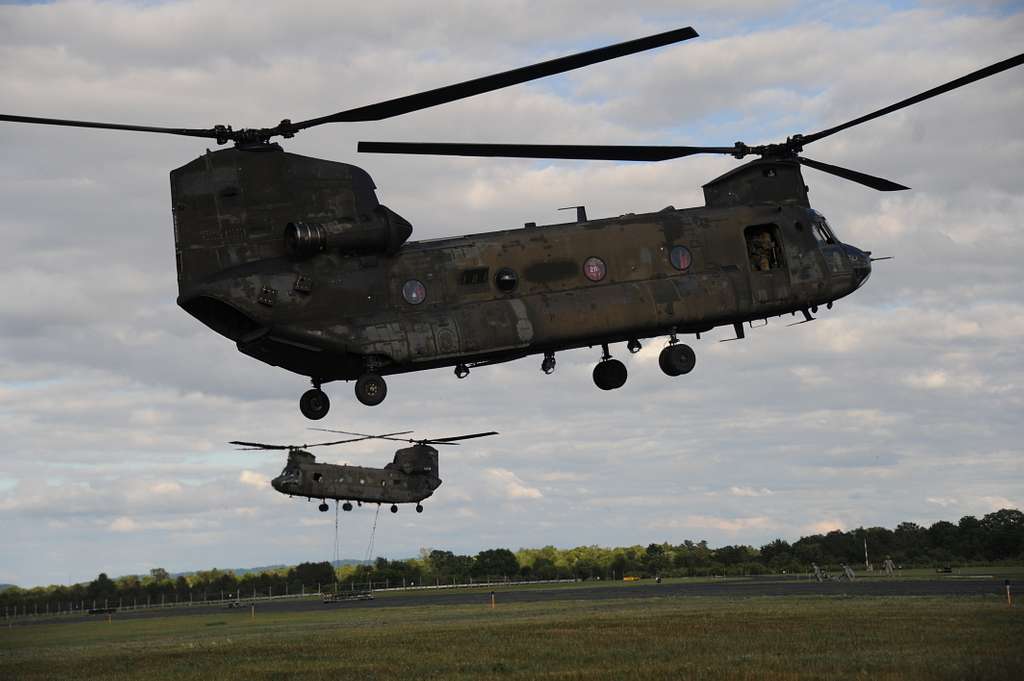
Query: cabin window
x=506, y=280
x=594, y=269
x=414, y=292
x=383, y=483
x=764, y=248
x=680, y=258
x=317, y=477
x=473, y=277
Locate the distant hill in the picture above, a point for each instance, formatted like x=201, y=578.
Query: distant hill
x=5, y=587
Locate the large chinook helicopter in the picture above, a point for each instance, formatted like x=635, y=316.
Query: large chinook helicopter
x=295, y=260
x=411, y=477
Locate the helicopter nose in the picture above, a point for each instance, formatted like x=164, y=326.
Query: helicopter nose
x=860, y=261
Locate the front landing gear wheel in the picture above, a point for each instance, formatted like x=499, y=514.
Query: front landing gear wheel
x=609, y=374
x=676, y=360
x=419, y=508
x=314, y=404
x=371, y=389
x=347, y=506
x=323, y=508
x=394, y=508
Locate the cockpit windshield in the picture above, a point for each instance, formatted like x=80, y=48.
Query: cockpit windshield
x=290, y=473
x=822, y=231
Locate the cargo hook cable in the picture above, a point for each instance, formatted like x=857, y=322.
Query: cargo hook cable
x=373, y=534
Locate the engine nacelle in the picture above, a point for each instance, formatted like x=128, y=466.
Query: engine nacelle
x=383, y=233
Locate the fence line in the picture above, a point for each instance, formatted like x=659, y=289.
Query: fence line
x=12, y=613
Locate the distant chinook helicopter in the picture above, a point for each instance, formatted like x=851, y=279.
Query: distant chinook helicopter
x=294, y=259
x=410, y=478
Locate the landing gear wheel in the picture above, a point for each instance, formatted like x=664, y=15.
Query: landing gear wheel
x=323, y=508
x=314, y=404
x=394, y=508
x=371, y=389
x=610, y=374
x=347, y=506
x=419, y=508
x=676, y=360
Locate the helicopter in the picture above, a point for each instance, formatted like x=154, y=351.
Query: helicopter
x=294, y=259
x=411, y=477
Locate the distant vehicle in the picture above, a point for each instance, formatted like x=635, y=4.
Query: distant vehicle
x=410, y=478
x=102, y=611
x=234, y=604
x=346, y=597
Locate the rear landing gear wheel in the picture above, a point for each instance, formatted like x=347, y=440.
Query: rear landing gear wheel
x=419, y=508
x=676, y=360
x=371, y=389
x=610, y=374
x=394, y=508
x=347, y=506
x=323, y=508
x=314, y=404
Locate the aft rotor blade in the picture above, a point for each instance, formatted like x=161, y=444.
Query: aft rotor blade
x=879, y=183
x=928, y=94
x=469, y=88
x=445, y=440
x=586, y=152
x=212, y=133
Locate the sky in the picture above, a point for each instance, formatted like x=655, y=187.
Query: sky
x=902, y=403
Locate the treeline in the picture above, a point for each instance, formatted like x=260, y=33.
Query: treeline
x=996, y=537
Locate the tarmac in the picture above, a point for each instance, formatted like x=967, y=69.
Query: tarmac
x=590, y=591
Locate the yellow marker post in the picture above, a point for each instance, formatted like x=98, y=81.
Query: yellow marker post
x=493, y=603
x=1009, y=596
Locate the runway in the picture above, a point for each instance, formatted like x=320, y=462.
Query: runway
x=596, y=591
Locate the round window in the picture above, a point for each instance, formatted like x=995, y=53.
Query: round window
x=414, y=292
x=594, y=269
x=681, y=258
x=506, y=280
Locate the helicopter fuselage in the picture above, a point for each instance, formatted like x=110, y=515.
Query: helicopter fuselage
x=756, y=250
x=410, y=478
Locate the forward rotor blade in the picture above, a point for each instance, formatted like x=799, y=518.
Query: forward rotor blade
x=928, y=94
x=566, y=151
x=338, y=442
x=446, y=440
x=364, y=436
x=450, y=93
x=212, y=133
x=879, y=183
x=257, y=445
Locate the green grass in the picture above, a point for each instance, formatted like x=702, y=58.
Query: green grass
x=665, y=638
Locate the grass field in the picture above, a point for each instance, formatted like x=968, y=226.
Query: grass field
x=665, y=638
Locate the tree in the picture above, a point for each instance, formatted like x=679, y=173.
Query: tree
x=101, y=588
x=495, y=563
x=159, y=575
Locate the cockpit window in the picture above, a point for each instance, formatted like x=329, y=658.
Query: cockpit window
x=822, y=232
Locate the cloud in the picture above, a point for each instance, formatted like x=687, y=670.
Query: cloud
x=510, y=485
x=750, y=492
x=124, y=524
x=727, y=525
x=253, y=479
x=823, y=526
